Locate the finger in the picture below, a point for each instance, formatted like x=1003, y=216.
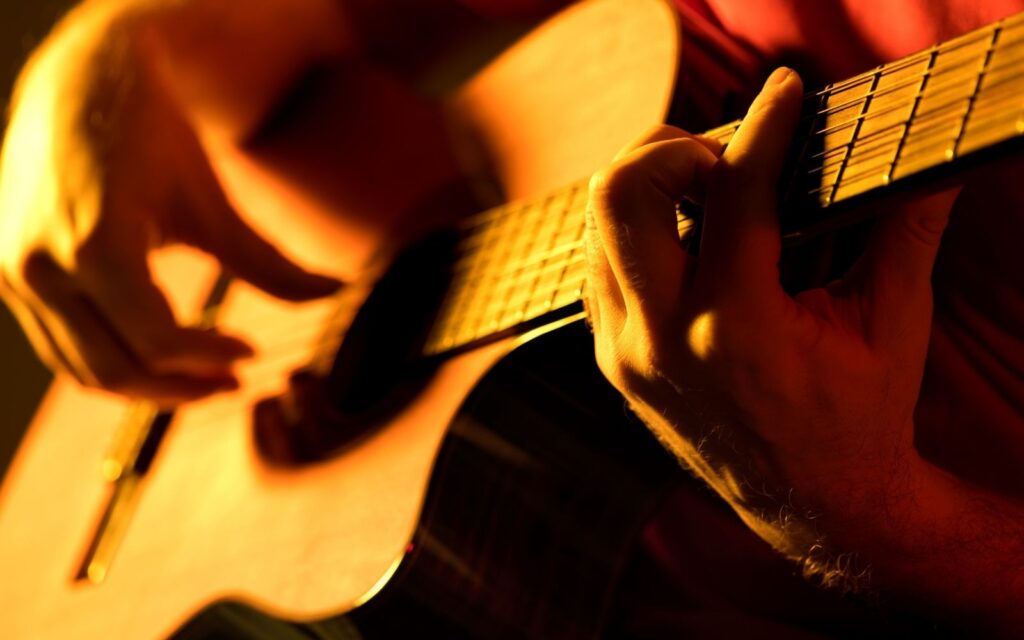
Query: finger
x=121, y=286
x=604, y=304
x=634, y=208
x=38, y=336
x=248, y=256
x=664, y=132
x=740, y=247
x=896, y=269
x=94, y=349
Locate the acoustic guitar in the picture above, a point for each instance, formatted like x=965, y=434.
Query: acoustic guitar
x=434, y=449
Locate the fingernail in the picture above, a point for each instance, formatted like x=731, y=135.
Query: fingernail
x=778, y=76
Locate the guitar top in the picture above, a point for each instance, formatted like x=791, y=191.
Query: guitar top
x=401, y=458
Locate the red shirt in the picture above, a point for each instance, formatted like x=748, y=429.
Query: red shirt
x=702, y=572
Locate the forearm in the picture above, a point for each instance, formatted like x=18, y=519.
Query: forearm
x=910, y=532
x=950, y=549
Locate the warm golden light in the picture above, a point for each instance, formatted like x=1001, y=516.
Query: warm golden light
x=701, y=335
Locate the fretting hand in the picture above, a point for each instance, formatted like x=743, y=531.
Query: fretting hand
x=786, y=405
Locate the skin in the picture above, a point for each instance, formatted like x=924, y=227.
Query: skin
x=797, y=410
x=106, y=158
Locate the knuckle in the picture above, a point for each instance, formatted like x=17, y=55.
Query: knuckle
x=610, y=185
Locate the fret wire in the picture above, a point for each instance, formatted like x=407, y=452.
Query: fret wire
x=521, y=266
x=947, y=47
x=480, y=295
x=977, y=86
x=579, y=213
x=534, y=267
x=553, y=252
x=726, y=131
x=917, y=117
x=522, y=263
x=495, y=313
x=900, y=65
x=939, y=111
x=562, y=216
x=550, y=268
x=517, y=272
x=483, y=256
x=853, y=121
x=491, y=276
x=922, y=132
x=932, y=56
x=831, y=151
x=560, y=280
x=853, y=136
x=938, y=144
x=880, y=143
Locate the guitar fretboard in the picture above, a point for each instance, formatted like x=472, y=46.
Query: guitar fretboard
x=524, y=260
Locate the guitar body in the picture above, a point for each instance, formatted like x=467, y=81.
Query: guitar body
x=516, y=522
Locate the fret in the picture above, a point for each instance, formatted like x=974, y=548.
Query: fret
x=524, y=260
x=485, y=234
x=560, y=211
x=844, y=109
x=532, y=267
x=954, y=148
x=940, y=108
x=996, y=111
x=571, y=284
x=858, y=130
x=481, y=318
x=465, y=291
x=882, y=127
x=891, y=171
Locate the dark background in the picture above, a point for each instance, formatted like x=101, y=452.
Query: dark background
x=23, y=24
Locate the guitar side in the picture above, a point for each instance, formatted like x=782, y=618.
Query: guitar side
x=212, y=521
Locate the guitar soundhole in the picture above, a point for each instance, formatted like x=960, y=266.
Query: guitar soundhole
x=377, y=370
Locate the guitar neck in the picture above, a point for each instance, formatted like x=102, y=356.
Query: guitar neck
x=907, y=121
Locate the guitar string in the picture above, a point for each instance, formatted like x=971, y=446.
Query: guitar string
x=950, y=109
x=543, y=292
x=523, y=268
x=727, y=130
x=273, y=352
x=990, y=91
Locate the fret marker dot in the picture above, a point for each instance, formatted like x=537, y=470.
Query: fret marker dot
x=886, y=178
x=950, y=153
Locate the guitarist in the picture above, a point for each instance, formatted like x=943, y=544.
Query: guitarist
x=857, y=432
